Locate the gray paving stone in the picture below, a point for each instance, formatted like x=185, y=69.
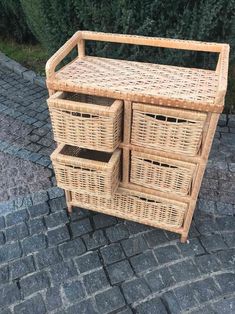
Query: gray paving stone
x=58, y=235
x=117, y=232
x=185, y=297
x=207, y=225
x=61, y=272
x=135, y=290
x=207, y=206
x=192, y=248
x=229, y=239
x=226, y=282
x=160, y=279
x=226, y=223
x=6, y=311
x=38, y=210
x=17, y=232
x=16, y=217
x=171, y=303
x=109, y=300
x=34, y=243
x=49, y=256
x=39, y=197
x=9, y=252
x=33, y=305
x=21, y=267
x=9, y=294
x=155, y=237
x=135, y=245
x=36, y=225
x=95, y=281
x=34, y=283
x=227, y=258
x=56, y=219
x=53, y=299
x=102, y=221
x=79, y=213
x=143, y=262
x=224, y=306
x=224, y=209
x=205, y=290
x=2, y=222
x=112, y=253
x=135, y=228
x=207, y=263
x=184, y=271
x=167, y=254
x=4, y=274
x=152, y=306
x=126, y=311
x=81, y=227
x=72, y=248
x=74, y=291
x=2, y=238
x=84, y=307
x=57, y=204
x=95, y=240
x=207, y=309
x=55, y=192
x=88, y=262
x=119, y=272
x=213, y=242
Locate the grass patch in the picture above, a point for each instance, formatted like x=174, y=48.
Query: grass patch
x=31, y=56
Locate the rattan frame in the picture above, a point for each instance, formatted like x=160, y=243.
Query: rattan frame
x=79, y=38
x=205, y=109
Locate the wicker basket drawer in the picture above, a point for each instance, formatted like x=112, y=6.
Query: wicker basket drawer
x=86, y=171
x=163, y=174
x=86, y=121
x=171, y=130
x=140, y=207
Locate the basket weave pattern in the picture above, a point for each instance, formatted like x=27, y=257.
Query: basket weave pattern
x=94, y=124
x=163, y=174
x=139, y=207
x=79, y=174
x=169, y=130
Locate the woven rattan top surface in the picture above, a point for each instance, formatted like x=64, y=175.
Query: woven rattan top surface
x=143, y=82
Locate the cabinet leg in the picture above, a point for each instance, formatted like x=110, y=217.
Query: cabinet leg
x=184, y=238
x=68, y=199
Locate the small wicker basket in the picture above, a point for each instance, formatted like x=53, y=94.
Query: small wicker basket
x=86, y=171
x=171, y=130
x=86, y=121
x=164, y=174
x=136, y=206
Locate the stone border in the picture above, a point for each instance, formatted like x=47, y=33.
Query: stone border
x=27, y=74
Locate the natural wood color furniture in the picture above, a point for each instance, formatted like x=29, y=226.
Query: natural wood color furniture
x=169, y=119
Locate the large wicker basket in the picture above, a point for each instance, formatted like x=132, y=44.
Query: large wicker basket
x=86, y=121
x=140, y=207
x=86, y=171
x=171, y=130
x=161, y=173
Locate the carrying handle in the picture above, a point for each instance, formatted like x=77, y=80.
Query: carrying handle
x=79, y=39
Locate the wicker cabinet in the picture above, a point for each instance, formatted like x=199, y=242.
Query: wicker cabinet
x=134, y=138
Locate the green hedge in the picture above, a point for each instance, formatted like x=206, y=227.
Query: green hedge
x=13, y=22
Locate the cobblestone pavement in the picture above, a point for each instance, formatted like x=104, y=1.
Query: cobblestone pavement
x=92, y=263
